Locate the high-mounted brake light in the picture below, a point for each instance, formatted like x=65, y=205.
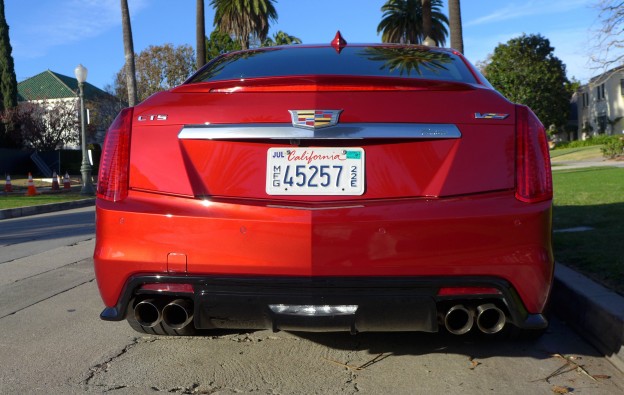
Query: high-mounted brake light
x=533, y=173
x=113, y=174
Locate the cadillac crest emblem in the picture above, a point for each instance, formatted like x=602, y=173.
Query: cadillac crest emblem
x=314, y=119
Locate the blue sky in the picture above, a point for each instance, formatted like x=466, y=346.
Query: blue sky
x=60, y=34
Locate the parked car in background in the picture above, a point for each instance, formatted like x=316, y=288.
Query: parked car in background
x=327, y=187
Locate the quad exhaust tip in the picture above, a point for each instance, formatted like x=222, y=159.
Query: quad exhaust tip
x=176, y=314
x=490, y=319
x=459, y=319
x=147, y=313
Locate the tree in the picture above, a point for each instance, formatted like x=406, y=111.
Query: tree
x=455, y=24
x=48, y=125
x=526, y=72
x=8, y=82
x=130, y=73
x=402, y=22
x=608, y=38
x=158, y=68
x=9, y=136
x=200, y=34
x=219, y=43
x=244, y=19
x=281, y=38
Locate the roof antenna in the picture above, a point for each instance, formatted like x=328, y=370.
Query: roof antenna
x=338, y=42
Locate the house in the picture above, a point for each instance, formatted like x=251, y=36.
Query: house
x=600, y=104
x=49, y=88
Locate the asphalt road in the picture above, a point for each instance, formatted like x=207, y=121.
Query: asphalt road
x=52, y=341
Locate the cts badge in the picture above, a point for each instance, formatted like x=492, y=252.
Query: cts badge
x=154, y=117
x=314, y=119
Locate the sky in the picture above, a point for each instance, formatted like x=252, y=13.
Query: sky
x=60, y=34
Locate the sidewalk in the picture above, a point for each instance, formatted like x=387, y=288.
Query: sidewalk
x=592, y=310
x=577, y=164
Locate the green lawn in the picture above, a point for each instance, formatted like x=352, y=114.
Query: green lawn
x=20, y=200
x=579, y=153
x=592, y=197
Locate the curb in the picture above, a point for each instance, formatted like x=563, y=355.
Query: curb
x=592, y=310
x=44, y=208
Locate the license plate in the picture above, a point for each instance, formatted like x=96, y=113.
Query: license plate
x=315, y=171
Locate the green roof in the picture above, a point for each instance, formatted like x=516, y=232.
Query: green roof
x=51, y=85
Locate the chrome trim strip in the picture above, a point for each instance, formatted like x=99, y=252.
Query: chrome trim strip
x=345, y=131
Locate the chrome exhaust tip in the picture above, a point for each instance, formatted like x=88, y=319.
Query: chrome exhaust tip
x=178, y=313
x=458, y=320
x=490, y=319
x=147, y=313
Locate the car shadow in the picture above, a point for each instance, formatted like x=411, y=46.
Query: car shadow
x=559, y=339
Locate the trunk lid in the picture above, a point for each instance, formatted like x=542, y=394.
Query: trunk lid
x=394, y=128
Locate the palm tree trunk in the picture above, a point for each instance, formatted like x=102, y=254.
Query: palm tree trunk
x=129, y=54
x=426, y=22
x=200, y=35
x=455, y=23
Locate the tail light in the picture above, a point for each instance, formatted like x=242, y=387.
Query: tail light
x=113, y=174
x=533, y=174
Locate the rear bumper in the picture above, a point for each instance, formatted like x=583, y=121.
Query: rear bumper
x=490, y=236
x=383, y=304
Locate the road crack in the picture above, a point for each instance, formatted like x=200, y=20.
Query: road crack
x=104, y=366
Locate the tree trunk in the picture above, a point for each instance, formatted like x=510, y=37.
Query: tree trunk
x=426, y=22
x=200, y=35
x=129, y=53
x=457, y=38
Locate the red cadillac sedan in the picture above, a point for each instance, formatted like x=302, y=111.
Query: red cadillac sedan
x=327, y=187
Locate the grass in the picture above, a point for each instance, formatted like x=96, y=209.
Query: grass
x=18, y=197
x=20, y=200
x=592, y=197
x=578, y=153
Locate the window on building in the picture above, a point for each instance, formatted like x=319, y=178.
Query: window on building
x=622, y=87
x=600, y=92
x=602, y=123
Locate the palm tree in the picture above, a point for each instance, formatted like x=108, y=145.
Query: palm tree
x=281, y=38
x=402, y=22
x=129, y=54
x=200, y=34
x=244, y=19
x=457, y=39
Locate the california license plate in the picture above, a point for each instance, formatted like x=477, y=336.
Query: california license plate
x=315, y=171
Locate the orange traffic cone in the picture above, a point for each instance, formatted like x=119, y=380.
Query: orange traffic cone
x=8, y=187
x=32, y=191
x=55, y=181
x=66, y=182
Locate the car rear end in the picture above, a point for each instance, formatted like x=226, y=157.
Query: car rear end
x=374, y=188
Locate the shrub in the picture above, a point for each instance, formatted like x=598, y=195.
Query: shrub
x=596, y=140
x=613, y=148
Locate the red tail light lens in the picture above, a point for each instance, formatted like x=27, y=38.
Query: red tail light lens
x=113, y=174
x=533, y=173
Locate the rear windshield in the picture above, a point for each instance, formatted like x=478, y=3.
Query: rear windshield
x=374, y=61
